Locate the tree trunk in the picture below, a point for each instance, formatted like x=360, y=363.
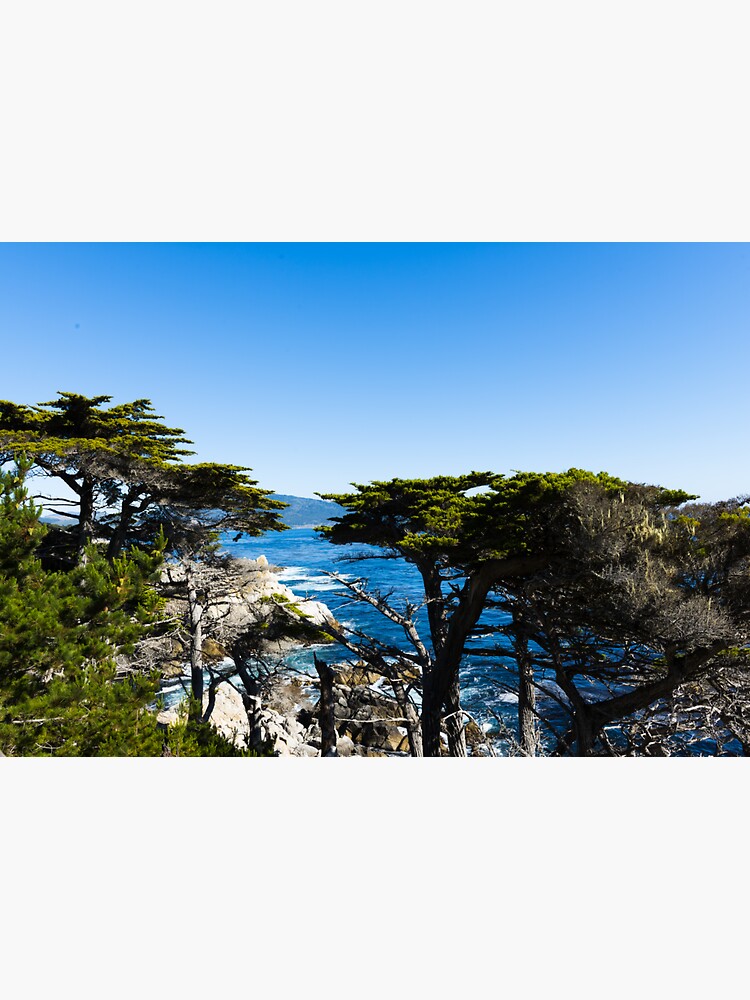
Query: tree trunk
x=326, y=713
x=442, y=691
x=432, y=702
x=117, y=540
x=211, y=699
x=196, y=608
x=585, y=733
x=442, y=694
x=409, y=712
x=432, y=713
x=251, y=699
x=441, y=682
x=454, y=721
x=527, y=731
x=591, y=717
x=85, y=518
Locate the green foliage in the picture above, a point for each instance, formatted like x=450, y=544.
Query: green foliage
x=51, y=622
x=87, y=712
x=190, y=737
x=79, y=423
x=20, y=528
x=580, y=555
x=125, y=467
x=197, y=502
x=92, y=713
x=284, y=619
x=67, y=607
x=530, y=513
x=411, y=516
x=59, y=634
x=434, y=519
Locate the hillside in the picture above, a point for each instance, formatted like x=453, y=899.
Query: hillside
x=307, y=512
x=302, y=512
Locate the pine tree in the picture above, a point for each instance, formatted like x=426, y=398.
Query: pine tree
x=60, y=690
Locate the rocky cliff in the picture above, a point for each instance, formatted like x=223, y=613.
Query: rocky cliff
x=280, y=714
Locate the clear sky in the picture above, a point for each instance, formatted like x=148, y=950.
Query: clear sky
x=318, y=365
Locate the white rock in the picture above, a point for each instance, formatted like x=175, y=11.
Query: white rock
x=228, y=716
x=168, y=717
x=345, y=746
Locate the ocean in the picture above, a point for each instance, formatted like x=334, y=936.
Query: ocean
x=305, y=558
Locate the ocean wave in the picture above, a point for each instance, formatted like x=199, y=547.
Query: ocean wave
x=170, y=688
x=313, y=583
x=291, y=572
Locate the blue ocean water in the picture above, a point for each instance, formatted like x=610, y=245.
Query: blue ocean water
x=305, y=558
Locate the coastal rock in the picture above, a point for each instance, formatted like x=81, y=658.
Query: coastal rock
x=281, y=733
x=255, y=592
x=229, y=717
x=169, y=716
x=367, y=719
x=287, y=724
x=213, y=651
x=344, y=746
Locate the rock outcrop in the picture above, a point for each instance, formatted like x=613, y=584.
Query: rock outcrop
x=283, y=717
x=367, y=716
x=250, y=600
x=286, y=725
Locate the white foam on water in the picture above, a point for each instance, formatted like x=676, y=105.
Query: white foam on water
x=322, y=584
x=291, y=572
x=507, y=697
x=170, y=688
x=297, y=577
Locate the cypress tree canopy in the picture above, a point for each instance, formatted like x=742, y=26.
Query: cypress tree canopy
x=74, y=422
x=442, y=519
x=125, y=470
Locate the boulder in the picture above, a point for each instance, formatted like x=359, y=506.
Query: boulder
x=169, y=716
x=365, y=714
x=344, y=746
x=213, y=651
x=229, y=717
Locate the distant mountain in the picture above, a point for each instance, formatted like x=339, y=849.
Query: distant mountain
x=302, y=512
x=307, y=512
x=48, y=517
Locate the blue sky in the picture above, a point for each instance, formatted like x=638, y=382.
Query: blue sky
x=322, y=364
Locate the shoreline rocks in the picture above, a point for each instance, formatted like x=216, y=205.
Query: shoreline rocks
x=285, y=720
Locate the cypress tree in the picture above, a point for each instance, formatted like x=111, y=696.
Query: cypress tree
x=125, y=469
